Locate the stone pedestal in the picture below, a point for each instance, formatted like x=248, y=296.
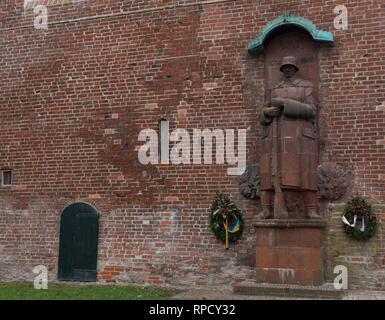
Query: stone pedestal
x=289, y=251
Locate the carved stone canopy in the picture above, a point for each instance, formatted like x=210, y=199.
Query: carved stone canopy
x=286, y=20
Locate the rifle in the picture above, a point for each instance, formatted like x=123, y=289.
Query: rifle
x=280, y=210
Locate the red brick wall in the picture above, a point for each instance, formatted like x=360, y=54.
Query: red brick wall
x=74, y=98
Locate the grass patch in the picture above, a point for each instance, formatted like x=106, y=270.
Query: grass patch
x=65, y=292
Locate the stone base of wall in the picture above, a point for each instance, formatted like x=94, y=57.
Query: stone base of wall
x=325, y=291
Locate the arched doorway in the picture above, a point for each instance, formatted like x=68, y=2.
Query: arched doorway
x=78, y=243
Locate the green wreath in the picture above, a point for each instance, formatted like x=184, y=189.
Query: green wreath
x=224, y=210
x=359, y=210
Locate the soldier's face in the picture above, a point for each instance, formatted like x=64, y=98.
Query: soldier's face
x=289, y=71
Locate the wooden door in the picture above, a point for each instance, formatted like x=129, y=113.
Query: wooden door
x=78, y=243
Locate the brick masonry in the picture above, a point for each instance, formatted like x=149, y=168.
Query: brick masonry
x=74, y=98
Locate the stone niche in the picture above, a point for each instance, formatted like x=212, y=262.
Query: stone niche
x=289, y=251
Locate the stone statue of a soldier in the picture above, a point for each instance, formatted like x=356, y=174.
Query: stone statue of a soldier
x=289, y=156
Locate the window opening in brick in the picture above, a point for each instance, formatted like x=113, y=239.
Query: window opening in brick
x=6, y=177
x=164, y=141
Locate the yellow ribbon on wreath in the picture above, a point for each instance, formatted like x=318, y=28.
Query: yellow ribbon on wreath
x=234, y=229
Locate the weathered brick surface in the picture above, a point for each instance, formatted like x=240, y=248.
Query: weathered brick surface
x=75, y=97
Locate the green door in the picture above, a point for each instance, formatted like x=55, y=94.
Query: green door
x=78, y=243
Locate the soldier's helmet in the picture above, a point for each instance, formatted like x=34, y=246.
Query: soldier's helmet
x=289, y=60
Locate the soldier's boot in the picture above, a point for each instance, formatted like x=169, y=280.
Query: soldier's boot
x=265, y=213
x=311, y=205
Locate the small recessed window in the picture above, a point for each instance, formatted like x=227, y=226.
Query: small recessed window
x=6, y=177
x=164, y=142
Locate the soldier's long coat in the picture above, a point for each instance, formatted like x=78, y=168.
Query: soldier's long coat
x=297, y=137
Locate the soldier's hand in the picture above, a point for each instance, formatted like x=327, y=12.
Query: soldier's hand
x=272, y=112
x=278, y=102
